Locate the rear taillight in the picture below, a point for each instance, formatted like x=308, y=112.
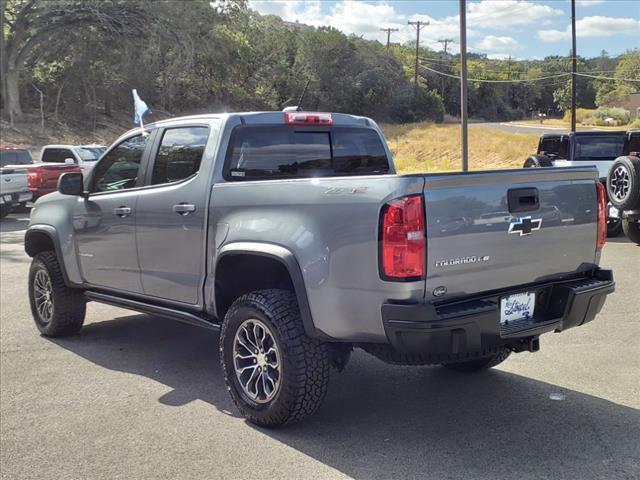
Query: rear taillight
x=601, y=239
x=34, y=179
x=403, y=242
x=304, y=118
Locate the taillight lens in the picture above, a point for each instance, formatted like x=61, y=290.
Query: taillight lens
x=33, y=179
x=304, y=118
x=403, y=244
x=601, y=239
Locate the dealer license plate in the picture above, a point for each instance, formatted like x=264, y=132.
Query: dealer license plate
x=516, y=307
x=7, y=198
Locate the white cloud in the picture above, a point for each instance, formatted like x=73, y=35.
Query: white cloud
x=492, y=43
x=306, y=12
x=508, y=13
x=588, y=3
x=595, y=26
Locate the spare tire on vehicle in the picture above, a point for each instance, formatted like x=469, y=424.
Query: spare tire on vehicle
x=623, y=183
x=536, y=161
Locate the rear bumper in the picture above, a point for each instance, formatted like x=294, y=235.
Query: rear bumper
x=473, y=325
x=15, y=198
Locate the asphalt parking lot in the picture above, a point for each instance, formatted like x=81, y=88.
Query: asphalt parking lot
x=134, y=396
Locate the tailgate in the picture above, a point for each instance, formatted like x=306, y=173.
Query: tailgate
x=49, y=174
x=12, y=180
x=492, y=230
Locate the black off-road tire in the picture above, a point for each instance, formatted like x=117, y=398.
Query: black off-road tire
x=69, y=305
x=5, y=210
x=631, y=230
x=479, y=364
x=614, y=227
x=305, y=362
x=537, y=161
x=630, y=167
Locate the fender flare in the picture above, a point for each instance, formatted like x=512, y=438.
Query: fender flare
x=52, y=233
x=289, y=261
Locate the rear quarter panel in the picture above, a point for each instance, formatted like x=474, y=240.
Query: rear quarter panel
x=331, y=227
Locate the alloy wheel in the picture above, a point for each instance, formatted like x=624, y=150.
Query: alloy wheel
x=43, y=293
x=256, y=360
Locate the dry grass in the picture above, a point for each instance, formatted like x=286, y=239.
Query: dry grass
x=426, y=147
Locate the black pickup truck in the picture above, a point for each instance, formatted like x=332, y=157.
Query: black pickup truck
x=594, y=147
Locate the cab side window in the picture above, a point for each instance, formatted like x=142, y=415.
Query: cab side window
x=118, y=170
x=179, y=154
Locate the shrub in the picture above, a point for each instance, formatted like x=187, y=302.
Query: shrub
x=635, y=123
x=581, y=115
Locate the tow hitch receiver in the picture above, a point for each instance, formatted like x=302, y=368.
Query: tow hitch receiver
x=531, y=344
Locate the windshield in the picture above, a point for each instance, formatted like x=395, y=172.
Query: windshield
x=89, y=154
x=598, y=148
x=14, y=157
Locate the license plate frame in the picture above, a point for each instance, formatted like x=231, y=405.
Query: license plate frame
x=517, y=306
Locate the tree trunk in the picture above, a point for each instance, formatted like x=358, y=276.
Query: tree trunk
x=12, y=78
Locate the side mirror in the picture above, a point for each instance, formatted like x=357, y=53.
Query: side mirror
x=69, y=161
x=71, y=184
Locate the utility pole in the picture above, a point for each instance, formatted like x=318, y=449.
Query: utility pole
x=573, y=65
x=419, y=26
x=445, y=41
x=463, y=85
x=388, y=30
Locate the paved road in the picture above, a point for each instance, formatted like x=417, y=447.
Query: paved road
x=139, y=397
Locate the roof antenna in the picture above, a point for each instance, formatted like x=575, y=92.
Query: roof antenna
x=298, y=108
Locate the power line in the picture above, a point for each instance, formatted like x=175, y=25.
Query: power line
x=599, y=77
x=481, y=80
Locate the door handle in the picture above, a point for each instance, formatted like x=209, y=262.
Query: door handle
x=184, y=208
x=122, y=211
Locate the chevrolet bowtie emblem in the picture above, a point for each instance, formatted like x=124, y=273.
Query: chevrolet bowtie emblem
x=525, y=225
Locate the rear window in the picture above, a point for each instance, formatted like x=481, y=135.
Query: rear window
x=598, y=148
x=14, y=157
x=290, y=152
x=57, y=155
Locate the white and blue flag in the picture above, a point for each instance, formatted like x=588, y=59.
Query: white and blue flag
x=140, y=108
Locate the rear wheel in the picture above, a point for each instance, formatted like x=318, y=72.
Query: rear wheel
x=57, y=309
x=614, y=227
x=275, y=373
x=632, y=230
x=482, y=363
x=5, y=210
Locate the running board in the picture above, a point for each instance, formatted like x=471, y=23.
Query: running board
x=150, y=309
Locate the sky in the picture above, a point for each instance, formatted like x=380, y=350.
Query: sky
x=523, y=29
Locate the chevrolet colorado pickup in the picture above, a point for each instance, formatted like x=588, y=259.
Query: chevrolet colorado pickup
x=592, y=147
x=292, y=234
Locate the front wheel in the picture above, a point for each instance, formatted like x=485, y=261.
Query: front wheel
x=57, y=309
x=631, y=230
x=482, y=363
x=276, y=375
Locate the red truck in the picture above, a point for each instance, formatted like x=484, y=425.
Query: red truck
x=42, y=178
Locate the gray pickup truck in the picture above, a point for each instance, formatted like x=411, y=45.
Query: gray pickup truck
x=292, y=234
